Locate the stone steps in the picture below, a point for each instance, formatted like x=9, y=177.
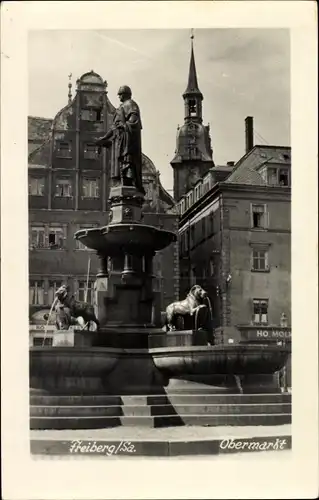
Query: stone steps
x=175, y=399
x=156, y=410
x=78, y=412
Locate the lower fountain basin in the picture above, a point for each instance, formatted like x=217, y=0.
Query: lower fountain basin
x=71, y=361
x=128, y=236
x=220, y=360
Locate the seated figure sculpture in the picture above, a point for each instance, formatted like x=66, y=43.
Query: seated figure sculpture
x=71, y=312
x=189, y=306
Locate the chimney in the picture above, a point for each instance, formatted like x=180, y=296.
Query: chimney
x=249, y=133
x=230, y=163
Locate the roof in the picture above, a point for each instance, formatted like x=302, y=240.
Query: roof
x=38, y=131
x=246, y=170
x=92, y=79
x=192, y=86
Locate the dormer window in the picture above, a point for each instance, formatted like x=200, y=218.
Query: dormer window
x=272, y=176
x=283, y=177
x=64, y=150
x=277, y=176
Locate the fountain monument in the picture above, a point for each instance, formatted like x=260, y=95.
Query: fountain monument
x=129, y=371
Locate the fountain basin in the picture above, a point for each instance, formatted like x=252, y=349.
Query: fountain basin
x=71, y=361
x=139, y=238
x=220, y=359
x=101, y=387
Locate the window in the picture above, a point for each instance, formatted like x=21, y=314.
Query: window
x=283, y=177
x=193, y=152
x=56, y=237
x=36, y=293
x=47, y=236
x=53, y=287
x=86, y=115
x=192, y=107
x=205, y=187
x=90, y=188
x=37, y=237
x=91, y=151
x=198, y=192
x=260, y=314
x=36, y=186
x=259, y=216
x=85, y=291
x=91, y=115
x=259, y=260
x=286, y=157
x=64, y=150
x=63, y=188
x=182, y=206
x=272, y=177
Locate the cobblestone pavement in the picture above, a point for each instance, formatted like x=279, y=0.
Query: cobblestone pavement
x=165, y=433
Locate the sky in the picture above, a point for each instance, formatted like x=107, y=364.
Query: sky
x=241, y=72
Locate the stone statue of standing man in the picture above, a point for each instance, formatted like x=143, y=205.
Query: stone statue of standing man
x=124, y=139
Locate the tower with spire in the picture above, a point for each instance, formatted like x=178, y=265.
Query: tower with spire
x=193, y=155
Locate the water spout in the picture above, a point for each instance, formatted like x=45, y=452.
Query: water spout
x=210, y=309
x=47, y=323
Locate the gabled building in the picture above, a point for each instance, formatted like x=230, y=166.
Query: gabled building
x=235, y=240
x=68, y=191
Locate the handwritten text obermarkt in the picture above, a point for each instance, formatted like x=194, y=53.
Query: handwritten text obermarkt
x=254, y=445
x=122, y=447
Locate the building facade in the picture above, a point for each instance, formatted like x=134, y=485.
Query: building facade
x=235, y=232
x=235, y=240
x=68, y=191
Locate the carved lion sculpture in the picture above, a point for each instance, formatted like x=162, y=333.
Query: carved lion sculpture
x=70, y=311
x=189, y=306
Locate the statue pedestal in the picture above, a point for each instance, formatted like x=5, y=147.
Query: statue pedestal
x=126, y=204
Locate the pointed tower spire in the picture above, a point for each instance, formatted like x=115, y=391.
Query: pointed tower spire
x=70, y=89
x=192, y=96
x=192, y=86
x=193, y=155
